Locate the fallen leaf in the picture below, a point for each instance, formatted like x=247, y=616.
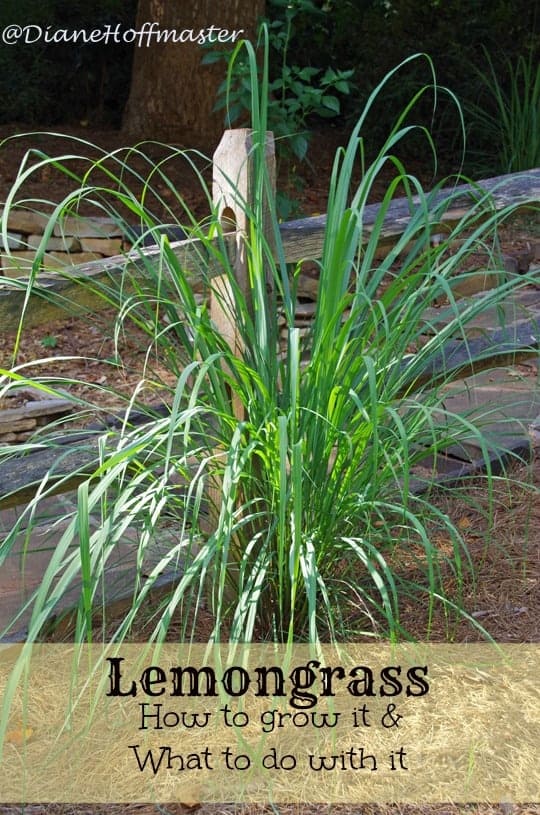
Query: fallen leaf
x=19, y=736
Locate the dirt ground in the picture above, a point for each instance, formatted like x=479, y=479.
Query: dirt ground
x=307, y=183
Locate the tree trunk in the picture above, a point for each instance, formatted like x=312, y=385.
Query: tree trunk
x=172, y=94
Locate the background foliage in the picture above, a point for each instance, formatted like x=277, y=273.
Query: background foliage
x=54, y=83
x=372, y=35
x=49, y=83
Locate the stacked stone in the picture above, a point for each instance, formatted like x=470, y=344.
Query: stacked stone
x=74, y=241
x=31, y=409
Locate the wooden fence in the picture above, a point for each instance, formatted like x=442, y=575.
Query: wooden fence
x=54, y=297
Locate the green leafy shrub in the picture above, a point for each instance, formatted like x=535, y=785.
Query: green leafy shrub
x=371, y=36
x=295, y=92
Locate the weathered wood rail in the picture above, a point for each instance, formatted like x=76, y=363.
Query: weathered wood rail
x=54, y=297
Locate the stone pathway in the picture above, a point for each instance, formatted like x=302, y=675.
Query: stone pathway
x=504, y=402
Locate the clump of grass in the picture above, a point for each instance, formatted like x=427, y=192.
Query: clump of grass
x=506, y=118
x=285, y=472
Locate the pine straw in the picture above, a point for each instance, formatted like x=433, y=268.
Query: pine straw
x=501, y=533
x=505, y=597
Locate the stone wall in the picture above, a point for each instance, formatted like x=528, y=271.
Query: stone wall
x=74, y=241
x=25, y=409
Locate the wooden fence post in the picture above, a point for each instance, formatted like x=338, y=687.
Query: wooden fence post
x=233, y=192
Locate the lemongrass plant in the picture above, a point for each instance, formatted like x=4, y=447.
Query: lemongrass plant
x=295, y=517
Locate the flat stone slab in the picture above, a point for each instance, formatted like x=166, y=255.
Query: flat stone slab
x=27, y=221
x=19, y=264
x=101, y=227
x=520, y=307
x=23, y=409
x=506, y=406
x=503, y=403
x=14, y=241
x=66, y=244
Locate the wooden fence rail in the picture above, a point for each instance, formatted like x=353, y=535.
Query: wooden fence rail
x=77, y=292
